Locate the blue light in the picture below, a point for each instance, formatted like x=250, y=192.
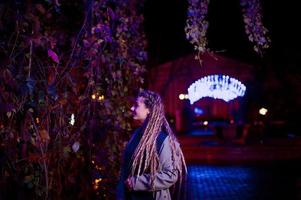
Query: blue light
x=198, y=111
x=216, y=86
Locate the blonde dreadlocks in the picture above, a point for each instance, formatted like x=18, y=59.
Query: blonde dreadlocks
x=146, y=158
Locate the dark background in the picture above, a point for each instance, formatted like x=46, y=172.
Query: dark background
x=165, y=22
x=277, y=84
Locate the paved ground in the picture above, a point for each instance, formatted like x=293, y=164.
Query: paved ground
x=270, y=170
x=244, y=182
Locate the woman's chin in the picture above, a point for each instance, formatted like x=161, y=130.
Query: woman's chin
x=137, y=119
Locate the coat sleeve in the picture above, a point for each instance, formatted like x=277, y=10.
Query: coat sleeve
x=164, y=179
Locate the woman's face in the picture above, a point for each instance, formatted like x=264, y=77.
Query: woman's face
x=140, y=111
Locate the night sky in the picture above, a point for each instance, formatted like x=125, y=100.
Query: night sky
x=277, y=83
x=165, y=22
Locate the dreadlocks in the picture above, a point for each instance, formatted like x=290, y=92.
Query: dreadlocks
x=146, y=158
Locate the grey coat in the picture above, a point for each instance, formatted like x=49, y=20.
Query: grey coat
x=164, y=179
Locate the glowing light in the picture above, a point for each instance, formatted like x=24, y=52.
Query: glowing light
x=216, y=86
x=181, y=96
x=263, y=111
x=96, y=181
x=205, y=123
x=37, y=120
x=72, y=120
x=198, y=111
x=93, y=96
x=101, y=97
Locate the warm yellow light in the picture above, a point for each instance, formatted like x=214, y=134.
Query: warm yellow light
x=101, y=97
x=186, y=96
x=263, y=111
x=181, y=96
x=96, y=181
x=93, y=96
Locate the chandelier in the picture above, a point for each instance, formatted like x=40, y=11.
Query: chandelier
x=217, y=87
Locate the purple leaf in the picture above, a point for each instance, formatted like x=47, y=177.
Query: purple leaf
x=53, y=56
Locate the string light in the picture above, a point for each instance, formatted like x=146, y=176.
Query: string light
x=216, y=86
x=97, y=180
x=72, y=119
x=98, y=97
x=263, y=111
x=96, y=183
x=101, y=97
x=181, y=96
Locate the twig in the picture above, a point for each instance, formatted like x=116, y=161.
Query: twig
x=15, y=43
x=43, y=157
x=30, y=55
x=72, y=52
x=199, y=58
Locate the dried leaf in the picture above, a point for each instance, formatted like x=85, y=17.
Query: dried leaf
x=8, y=114
x=40, y=8
x=75, y=147
x=34, y=157
x=44, y=134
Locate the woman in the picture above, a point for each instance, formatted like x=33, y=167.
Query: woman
x=153, y=160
